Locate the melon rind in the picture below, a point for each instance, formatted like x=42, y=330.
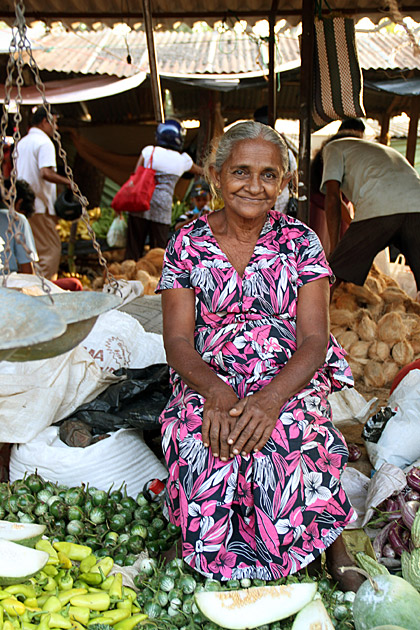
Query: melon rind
x=18, y=563
x=396, y=603
x=313, y=615
x=252, y=607
x=26, y=534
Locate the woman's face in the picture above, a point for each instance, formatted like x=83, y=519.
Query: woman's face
x=251, y=178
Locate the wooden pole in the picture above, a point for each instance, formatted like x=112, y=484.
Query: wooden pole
x=412, y=130
x=272, y=84
x=305, y=109
x=154, y=74
x=383, y=138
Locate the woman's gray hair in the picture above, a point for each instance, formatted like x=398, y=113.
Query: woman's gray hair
x=250, y=130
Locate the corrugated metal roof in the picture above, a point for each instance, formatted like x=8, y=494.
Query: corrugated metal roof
x=166, y=12
x=188, y=54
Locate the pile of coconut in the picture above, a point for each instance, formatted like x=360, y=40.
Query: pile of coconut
x=147, y=269
x=378, y=324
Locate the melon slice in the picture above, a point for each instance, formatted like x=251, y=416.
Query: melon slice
x=18, y=563
x=26, y=534
x=253, y=607
x=313, y=616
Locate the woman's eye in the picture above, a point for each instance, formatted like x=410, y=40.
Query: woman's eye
x=270, y=175
x=239, y=171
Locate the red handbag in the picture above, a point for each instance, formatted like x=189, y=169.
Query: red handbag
x=136, y=193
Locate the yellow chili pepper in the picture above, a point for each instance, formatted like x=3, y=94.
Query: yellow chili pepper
x=50, y=570
x=65, y=580
x=80, y=613
x=45, y=545
x=87, y=563
x=53, y=604
x=51, y=585
x=58, y=621
x=130, y=593
x=135, y=609
x=44, y=622
x=13, y=606
x=76, y=625
x=20, y=589
x=1, y=618
x=26, y=625
x=125, y=604
x=94, y=601
x=73, y=550
x=31, y=602
x=110, y=617
x=106, y=584
x=7, y=625
x=116, y=588
x=91, y=578
x=130, y=622
x=105, y=565
x=65, y=596
x=65, y=561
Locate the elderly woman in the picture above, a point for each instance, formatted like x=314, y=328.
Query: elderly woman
x=254, y=461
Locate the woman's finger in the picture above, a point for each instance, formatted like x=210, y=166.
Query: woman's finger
x=214, y=435
x=205, y=426
x=250, y=444
x=245, y=435
x=264, y=439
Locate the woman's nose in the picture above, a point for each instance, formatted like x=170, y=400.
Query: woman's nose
x=254, y=183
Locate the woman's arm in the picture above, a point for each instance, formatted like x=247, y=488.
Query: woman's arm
x=258, y=413
x=178, y=308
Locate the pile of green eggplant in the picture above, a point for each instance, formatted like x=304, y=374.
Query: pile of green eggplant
x=110, y=523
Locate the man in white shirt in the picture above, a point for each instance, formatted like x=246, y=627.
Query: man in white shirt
x=36, y=163
x=385, y=192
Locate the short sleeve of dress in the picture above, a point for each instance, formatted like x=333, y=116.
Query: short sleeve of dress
x=176, y=271
x=311, y=261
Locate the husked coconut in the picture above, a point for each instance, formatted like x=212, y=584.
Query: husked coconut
x=374, y=374
x=346, y=301
x=342, y=317
x=114, y=268
x=412, y=323
x=394, y=307
x=357, y=367
x=379, y=351
x=128, y=268
x=146, y=265
x=149, y=289
x=363, y=294
x=415, y=343
x=391, y=328
x=375, y=310
x=390, y=369
x=347, y=338
x=413, y=307
x=402, y=352
x=337, y=330
x=359, y=349
x=367, y=328
x=394, y=294
x=374, y=284
x=155, y=256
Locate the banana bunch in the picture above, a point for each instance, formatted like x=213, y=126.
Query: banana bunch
x=64, y=227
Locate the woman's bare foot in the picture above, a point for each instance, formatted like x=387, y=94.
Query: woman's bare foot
x=338, y=556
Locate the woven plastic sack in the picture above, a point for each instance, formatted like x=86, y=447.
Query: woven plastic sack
x=338, y=83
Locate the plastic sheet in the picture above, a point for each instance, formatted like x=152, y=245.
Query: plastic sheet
x=137, y=401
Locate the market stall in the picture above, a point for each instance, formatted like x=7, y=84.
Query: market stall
x=84, y=548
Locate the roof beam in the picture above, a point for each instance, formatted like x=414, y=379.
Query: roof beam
x=198, y=15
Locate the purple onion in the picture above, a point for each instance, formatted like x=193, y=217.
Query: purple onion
x=408, y=510
x=395, y=537
x=392, y=508
x=354, y=452
x=412, y=495
x=388, y=551
x=413, y=478
x=380, y=539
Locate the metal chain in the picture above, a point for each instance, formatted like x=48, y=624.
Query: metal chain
x=23, y=45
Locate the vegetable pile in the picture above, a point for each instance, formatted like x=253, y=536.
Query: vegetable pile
x=70, y=589
x=110, y=523
x=398, y=523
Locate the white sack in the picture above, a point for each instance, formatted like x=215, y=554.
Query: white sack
x=118, y=340
x=399, y=443
x=121, y=458
x=355, y=485
x=347, y=405
x=34, y=394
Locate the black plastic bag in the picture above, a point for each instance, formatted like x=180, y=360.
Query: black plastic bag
x=135, y=402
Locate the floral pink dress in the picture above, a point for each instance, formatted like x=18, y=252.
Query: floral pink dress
x=267, y=514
